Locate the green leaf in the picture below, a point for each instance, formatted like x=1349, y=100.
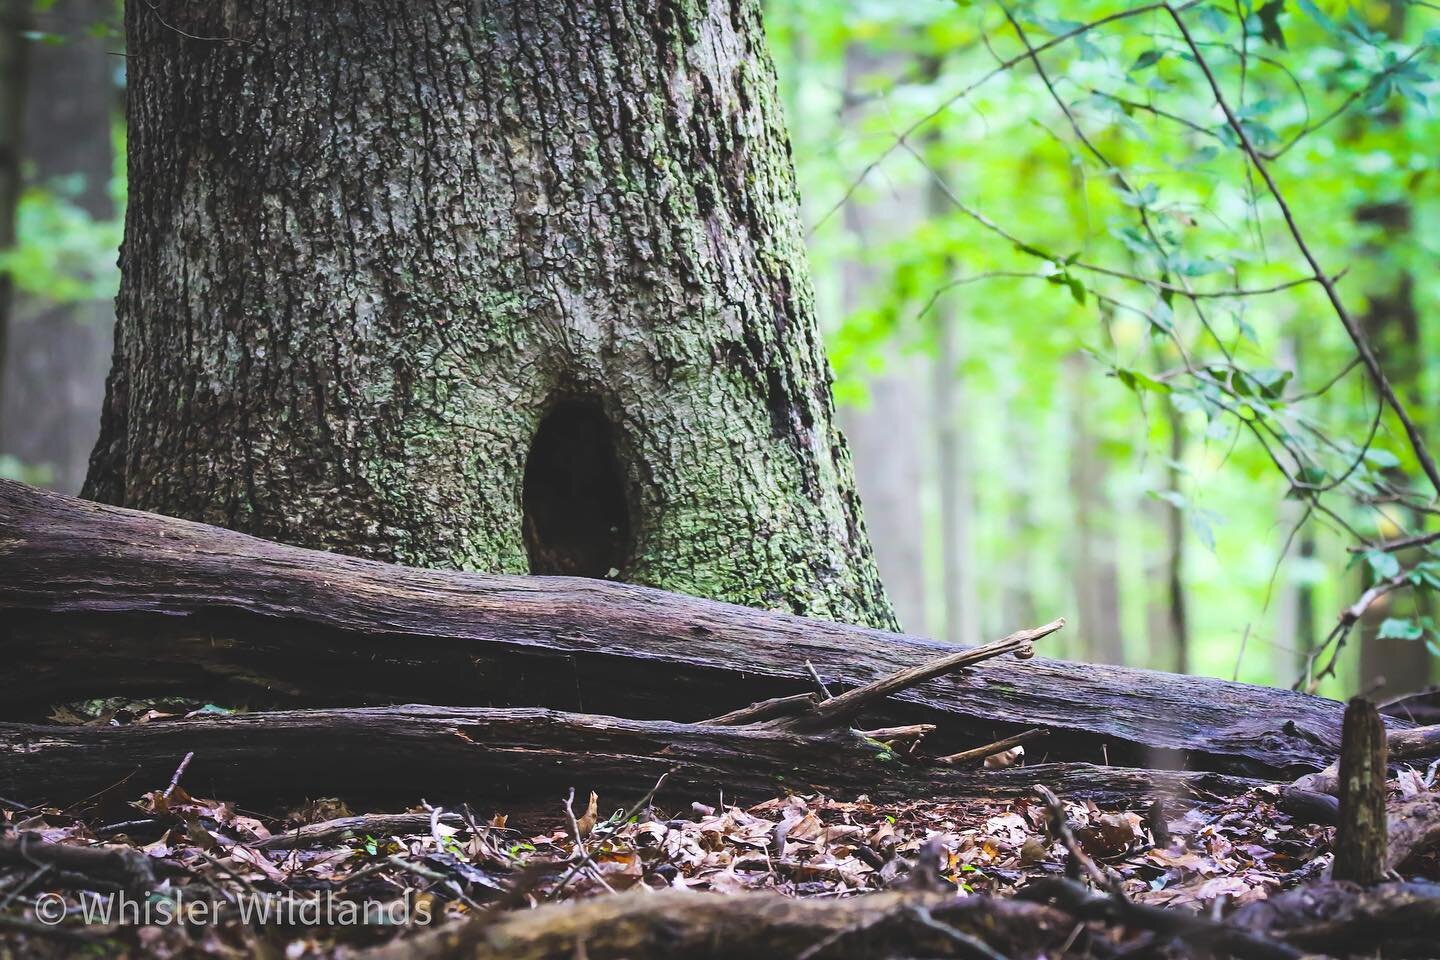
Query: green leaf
x=1137, y=380
x=1214, y=19
x=1269, y=382
x=1426, y=575
x=1400, y=628
x=1314, y=13
x=1382, y=564
x=1200, y=525
x=1383, y=459
x=1147, y=59
x=1269, y=16
x=1173, y=497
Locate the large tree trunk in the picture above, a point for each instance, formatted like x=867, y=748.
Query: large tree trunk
x=507, y=287
x=59, y=351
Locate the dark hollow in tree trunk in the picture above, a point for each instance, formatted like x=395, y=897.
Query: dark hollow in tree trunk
x=151, y=604
x=516, y=761
x=577, y=518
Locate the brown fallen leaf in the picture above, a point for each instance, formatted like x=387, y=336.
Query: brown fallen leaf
x=592, y=813
x=1005, y=758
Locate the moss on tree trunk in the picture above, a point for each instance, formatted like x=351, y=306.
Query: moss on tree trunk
x=505, y=286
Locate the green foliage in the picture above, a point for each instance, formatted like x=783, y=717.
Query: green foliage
x=63, y=254
x=1122, y=187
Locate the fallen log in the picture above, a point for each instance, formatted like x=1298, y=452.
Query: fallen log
x=1414, y=829
x=1342, y=919
x=1397, y=919
x=109, y=866
x=152, y=605
x=517, y=761
x=697, y=926
x=1416, y=743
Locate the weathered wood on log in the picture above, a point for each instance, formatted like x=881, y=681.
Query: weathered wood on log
x=1413, y=744
x=97, y=600
x=1414, y=829
x=1393, y=919
x=699, y=926
x=514, y=761
x=1342, y=919
x=125, y=869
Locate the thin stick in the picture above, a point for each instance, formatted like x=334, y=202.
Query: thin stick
x=990, y=749
x=1060, y=829
x=179, y=772
x=1404, y=543
x=814, y=675
x=838, y=710
x=624, y=818
x=764, y=710
x=914, y=731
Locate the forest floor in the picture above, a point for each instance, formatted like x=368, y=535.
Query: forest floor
x=265, y=879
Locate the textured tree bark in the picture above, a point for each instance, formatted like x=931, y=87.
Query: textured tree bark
x=58, y=352
x=521, y=761
x=505, y=286
x=149, y=604
x=685, y=925
x=1360, y=838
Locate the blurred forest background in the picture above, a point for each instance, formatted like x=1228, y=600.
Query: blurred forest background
x=1080, y=356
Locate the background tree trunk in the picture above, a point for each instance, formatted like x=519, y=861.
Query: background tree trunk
x=1392, y=323
x=962, y=605
x=513, y=288
x=14, y=21
x=58, y=352
x=888, y=434
x=1096, y=579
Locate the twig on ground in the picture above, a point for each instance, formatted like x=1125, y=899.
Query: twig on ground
x=179, y=772
x=1060, y=829
x=345, y=828
x=989, y=749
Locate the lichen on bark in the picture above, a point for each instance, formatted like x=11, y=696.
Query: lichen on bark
x=372, y=245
